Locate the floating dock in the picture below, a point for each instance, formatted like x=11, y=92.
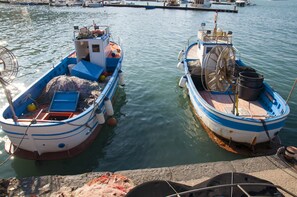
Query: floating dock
x=172, y=7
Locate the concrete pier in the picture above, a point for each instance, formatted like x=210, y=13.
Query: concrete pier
x=174, y=8
x=270, y=168
x=46, y=2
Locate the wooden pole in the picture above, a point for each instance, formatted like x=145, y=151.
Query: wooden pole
x=290, y=94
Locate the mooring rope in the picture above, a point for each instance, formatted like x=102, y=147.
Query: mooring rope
x=177, y=194
x=266, y=130
x=32, y=122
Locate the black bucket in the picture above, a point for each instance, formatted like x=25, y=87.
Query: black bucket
x=251, y=79
x=249, y=94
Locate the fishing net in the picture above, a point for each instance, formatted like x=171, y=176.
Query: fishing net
x=107, y=185
x=89, y=90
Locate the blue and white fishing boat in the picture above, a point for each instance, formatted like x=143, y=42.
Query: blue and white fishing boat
x=229, y=98
x=93, y=3
x=61, y=113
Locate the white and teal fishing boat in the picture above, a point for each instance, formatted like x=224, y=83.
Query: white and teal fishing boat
x=229, y=98
x=61, y=113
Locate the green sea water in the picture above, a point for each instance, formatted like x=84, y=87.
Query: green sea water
x=156, y=126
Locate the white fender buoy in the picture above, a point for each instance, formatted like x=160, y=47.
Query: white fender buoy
x=108, y=106
x=182, y=81
x=121, y=78
x=180, y=65
x=100, y=116
x=180, y=55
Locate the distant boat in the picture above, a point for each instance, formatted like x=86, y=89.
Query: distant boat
x=201, y=3
x=149, y=7
x=229, y=98
x=58, y=3
x=61, y=113
x=173, y=3
x=74, y=3
x=242, y=3
x=24, y=2
x=93, y=3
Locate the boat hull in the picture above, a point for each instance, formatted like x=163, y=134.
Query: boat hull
x=12, y=149
x=49, y=139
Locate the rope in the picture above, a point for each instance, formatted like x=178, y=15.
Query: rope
x=265, y=129
x=34, y=122
x=282, y=149
x=9, y=157
x=177, y=194
x=289, y=96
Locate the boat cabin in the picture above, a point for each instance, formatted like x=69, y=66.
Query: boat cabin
x=207, y=39
x=92, y=45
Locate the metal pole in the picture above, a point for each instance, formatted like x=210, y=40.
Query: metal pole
x=9, y=99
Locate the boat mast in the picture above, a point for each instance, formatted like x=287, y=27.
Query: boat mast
x=215, y=23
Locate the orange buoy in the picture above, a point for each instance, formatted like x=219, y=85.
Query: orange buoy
x=112, y=121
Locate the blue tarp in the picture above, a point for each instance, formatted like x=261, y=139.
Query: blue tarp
x=87, y=70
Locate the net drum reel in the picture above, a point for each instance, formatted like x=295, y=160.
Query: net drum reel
x=8, y=71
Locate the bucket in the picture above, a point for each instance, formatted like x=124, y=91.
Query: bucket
x=197, y=80
x=247, y=93
x=251, y=79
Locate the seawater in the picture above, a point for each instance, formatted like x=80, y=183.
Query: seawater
x=156, y=126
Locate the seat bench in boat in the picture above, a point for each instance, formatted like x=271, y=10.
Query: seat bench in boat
x=49, y=116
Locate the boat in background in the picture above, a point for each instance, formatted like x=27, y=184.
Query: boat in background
x=230, y=99
x=57, y=3
x=61, y=113
x=172, y=3
x=93, y=3
x=150, y=7
x=74, y=3
x=242, y=3
x=201, y=3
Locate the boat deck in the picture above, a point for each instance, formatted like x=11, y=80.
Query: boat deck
x=224, y=103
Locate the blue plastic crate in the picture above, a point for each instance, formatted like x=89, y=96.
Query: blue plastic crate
x=64, y=102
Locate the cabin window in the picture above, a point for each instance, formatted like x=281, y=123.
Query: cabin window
x=208, y=49
x=96, y=48
x=198, y=45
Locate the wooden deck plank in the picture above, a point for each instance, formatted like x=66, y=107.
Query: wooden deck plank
x=223, y=103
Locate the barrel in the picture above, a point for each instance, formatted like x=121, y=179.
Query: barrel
x=247, y=93
x=250, y=85
x=198, y=80
x=251, y=79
